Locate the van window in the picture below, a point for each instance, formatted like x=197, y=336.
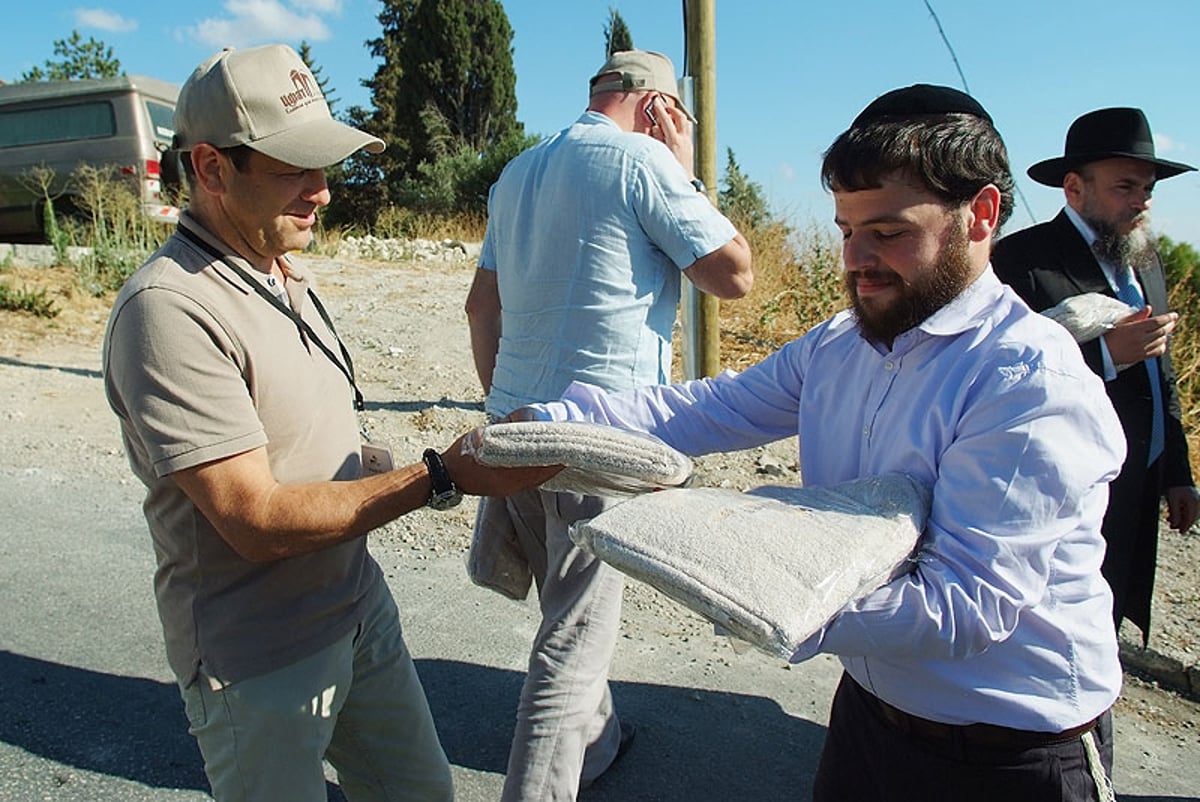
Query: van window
x=162, y=119
x=93, y=120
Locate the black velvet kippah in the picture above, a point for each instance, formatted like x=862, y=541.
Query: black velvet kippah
x=921, y=99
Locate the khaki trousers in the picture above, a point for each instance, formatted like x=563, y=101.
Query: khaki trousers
x=357, y=703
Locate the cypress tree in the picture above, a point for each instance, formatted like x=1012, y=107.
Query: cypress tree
x=446, y=80
x=616, y=34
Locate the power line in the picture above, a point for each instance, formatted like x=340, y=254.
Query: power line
x=963, y=78
x=950, y=47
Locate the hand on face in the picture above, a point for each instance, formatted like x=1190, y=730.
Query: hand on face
x=673, y=129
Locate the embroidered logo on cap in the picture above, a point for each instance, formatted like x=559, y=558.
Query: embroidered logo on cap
x=302, y=94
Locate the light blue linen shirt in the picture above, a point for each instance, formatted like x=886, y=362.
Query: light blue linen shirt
x=587, y=233
x=1005, y=618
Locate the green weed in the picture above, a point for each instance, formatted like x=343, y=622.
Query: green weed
x=22, y=299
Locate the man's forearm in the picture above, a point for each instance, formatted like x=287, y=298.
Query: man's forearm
x=265, y=520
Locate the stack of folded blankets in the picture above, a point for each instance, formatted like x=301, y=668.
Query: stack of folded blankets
x=770, y=566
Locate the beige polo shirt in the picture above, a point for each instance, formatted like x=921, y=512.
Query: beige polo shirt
x=198, y=367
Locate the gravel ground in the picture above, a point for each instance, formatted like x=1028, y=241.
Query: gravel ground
x=405, y=326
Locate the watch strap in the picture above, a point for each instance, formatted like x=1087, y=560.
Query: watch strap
x=444, y=494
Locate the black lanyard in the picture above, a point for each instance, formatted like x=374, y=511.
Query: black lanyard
x=346, y=367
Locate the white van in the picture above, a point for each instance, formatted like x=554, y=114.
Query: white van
x=125, y=121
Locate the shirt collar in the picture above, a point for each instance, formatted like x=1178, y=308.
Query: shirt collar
x=970, y=308
x=596, y=118
x=1109, y=269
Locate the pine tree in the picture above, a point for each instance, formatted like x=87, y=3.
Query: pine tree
x=616, y=34
x=305, y=53
x=741, y=199
x=79, y=59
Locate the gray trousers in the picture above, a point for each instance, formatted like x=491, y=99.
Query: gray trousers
x=567, y=730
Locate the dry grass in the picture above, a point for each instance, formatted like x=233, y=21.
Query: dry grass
x=405, y=223
x=80, y=315
x=1185, y=356
x=797, y=283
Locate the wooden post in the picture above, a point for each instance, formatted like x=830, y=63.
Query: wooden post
x=701, y=36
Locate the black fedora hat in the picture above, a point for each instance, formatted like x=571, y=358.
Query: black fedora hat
x=1105, y=134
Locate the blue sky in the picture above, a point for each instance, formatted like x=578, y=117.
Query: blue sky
x=791, y=74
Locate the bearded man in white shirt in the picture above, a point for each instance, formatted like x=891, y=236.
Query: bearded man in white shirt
x=988, y=670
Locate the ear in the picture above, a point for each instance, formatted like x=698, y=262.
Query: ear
x=210, y=165
x=1073, y=189
x=983, y=214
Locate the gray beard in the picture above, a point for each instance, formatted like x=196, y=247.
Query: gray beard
x=1135, y=249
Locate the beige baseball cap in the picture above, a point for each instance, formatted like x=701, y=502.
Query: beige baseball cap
x=638, y=71
x=267, y=99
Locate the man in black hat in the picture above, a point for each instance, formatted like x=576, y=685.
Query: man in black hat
x=986, y=671
x=1100, y=243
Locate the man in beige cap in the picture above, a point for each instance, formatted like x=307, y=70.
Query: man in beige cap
x=579, y=278
x=237, y=403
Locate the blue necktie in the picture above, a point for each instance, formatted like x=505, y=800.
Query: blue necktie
x=1129, y=292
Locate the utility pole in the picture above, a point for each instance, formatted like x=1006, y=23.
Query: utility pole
x=702, y=329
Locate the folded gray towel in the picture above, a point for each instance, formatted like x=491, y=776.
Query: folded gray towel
x=495, y=559
x=770, y=566
x=601, y=460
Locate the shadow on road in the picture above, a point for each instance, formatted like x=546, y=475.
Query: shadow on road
x=86, y=373
x=121, y=726
x=692, y=744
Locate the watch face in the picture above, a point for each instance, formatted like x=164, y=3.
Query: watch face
x=445, y=500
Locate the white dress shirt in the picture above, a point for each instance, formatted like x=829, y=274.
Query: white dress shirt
x=1005, y=618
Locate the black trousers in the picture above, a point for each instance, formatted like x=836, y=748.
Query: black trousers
x=868, y=759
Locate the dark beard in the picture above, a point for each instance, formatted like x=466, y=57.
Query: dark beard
x=1135, y=249
x=921, y=297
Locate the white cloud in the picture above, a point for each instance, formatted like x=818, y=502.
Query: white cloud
x=787, y=172
x=103, y=19
x=251, y=22
x=320, y=6
x=1164, y=144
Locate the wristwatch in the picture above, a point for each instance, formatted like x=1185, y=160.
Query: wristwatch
x=699, y=185
x=445, y=493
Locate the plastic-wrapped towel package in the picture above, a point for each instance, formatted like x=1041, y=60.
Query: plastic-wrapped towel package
x=600, y=460
x=770, y=566
x=1088, y=315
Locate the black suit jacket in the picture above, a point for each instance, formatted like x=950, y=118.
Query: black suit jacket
x=1049, y=262
x=1045, y=264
